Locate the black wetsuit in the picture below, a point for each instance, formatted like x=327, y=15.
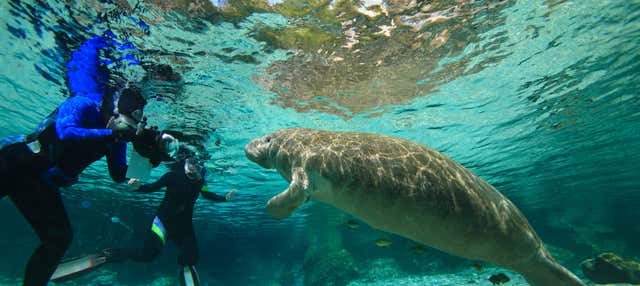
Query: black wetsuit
x=173, y=219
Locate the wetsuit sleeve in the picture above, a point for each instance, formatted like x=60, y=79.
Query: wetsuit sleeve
x=212, y=196
x=117, y=161
x=71, y=114
x=155, y=186
x=86, y=75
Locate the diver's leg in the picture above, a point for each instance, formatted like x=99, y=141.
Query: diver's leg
x=82, y=265
x=13, y=156
x=153, y=243
x=187, y=247
x=187, y=256
x=43, y=208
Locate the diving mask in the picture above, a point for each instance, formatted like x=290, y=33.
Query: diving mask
x=193, y=169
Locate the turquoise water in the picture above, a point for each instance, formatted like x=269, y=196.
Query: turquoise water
x=539, y=98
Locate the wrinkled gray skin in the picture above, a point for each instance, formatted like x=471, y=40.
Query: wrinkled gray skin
x=401, y=187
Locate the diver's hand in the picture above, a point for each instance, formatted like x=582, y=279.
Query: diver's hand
x=124, y=135
x=230, y=194
x=134, y=184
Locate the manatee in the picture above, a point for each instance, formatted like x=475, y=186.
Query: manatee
x=405, y=188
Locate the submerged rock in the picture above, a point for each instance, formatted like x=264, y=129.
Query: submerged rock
x=611, y=268
x=335, y=268
x=499, y=278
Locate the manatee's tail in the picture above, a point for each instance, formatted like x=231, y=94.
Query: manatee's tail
x=545, y=271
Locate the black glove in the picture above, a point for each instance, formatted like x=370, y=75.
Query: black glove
x=124, y=135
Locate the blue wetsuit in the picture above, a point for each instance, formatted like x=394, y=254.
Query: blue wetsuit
x=84, y=140
x=32, y=177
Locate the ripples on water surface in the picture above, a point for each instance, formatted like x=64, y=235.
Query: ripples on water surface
x=540, y=98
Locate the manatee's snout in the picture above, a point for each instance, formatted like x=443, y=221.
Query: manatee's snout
x=251, y=150
x=257, y=150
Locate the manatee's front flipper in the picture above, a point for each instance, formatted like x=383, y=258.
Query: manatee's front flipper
x=283, y=204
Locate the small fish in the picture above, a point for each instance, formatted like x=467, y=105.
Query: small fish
x=352, y=224
x=418, y=249
x=499, y=278
x=477, y=266
x=383, y=242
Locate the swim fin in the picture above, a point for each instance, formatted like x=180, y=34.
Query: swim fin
x=77, y=266
x=189, y=276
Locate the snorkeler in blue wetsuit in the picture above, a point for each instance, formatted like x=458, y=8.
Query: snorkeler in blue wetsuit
x=173, y=222
x=91, y=124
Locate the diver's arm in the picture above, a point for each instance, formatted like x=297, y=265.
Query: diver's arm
x=155, y=186
x=117, y=161
x=70, y=117
x=215, y=197
x=212, y=196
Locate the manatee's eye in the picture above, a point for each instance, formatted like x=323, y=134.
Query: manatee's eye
x=268, y=139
